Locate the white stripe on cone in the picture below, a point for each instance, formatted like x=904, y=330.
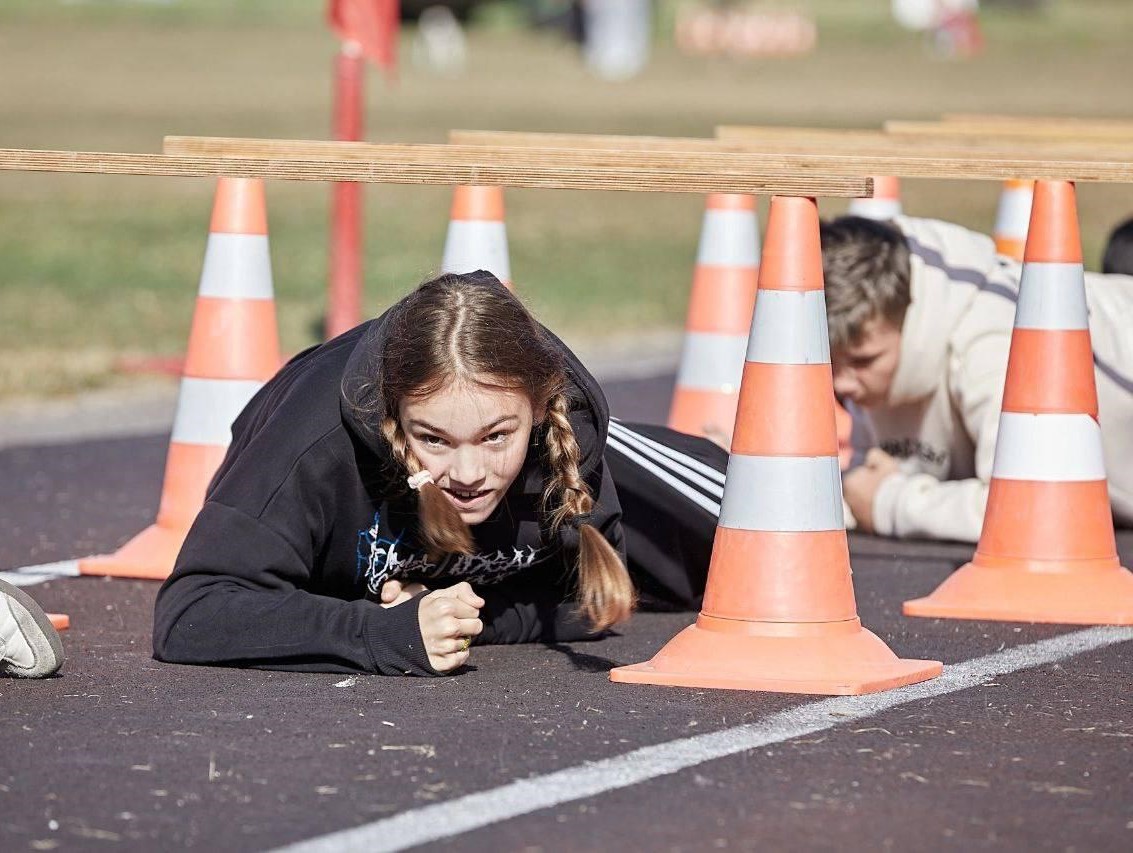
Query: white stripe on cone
x=477, y=245
x=711, y=362
x=789, y=327
x=206, y=409
x=1013, y=215
x=1052, y=296
x=783, y=493
x=729, y=238
x=1049, y=448
x=875, y=208
x=237, y=266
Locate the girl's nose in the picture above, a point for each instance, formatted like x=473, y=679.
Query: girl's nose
x=468, y=468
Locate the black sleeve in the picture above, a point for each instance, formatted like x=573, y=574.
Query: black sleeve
x=531, y=609
x=236, y=597
x=539, y=605
x=669, y=524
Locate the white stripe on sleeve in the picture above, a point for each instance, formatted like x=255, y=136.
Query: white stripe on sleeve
x=664, y=476
x=680, y=462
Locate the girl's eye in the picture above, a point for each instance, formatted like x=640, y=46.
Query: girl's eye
x=496, y=437
x=431, y=440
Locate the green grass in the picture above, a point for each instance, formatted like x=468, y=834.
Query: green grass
x=95, y=267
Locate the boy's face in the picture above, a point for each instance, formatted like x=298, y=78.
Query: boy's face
x=472, y=439
x=863, y=371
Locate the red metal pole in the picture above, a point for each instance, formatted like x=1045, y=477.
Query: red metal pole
x=344, y=287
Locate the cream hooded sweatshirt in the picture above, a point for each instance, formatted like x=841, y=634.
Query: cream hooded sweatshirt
x=943, y=411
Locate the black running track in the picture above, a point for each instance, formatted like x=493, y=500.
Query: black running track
x=124, y=753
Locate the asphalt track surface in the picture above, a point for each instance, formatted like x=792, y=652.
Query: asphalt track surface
x=121, y=752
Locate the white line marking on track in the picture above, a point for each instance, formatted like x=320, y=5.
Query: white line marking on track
x=32, y=575
x=475, y=811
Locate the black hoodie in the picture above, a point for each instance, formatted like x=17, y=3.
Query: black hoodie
x=309, y=515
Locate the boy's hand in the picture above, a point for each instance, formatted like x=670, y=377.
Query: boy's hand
x=859, y=487
x=449, y=619
x=395, y=592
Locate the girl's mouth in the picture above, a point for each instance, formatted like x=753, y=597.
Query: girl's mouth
x=468, y=499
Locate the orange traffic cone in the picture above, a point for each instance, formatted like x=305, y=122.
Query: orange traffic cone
x=723, y=293
x=1047, y=551
x=885, y=202
x=779, y=611
x=233, y=349
x=60, y=621
x=477, y=234
x=1012, y=217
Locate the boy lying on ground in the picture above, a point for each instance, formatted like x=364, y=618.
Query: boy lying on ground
x=920, y=315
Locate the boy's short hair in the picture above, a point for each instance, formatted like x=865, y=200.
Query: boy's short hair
x=866, y=267
x=1118, y=256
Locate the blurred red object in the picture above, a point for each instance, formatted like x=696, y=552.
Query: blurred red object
x=958, y=34
x=371, y=24
x=743, y=33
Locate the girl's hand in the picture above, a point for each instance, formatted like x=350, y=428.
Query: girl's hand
x=449, y=619
x=395, y=592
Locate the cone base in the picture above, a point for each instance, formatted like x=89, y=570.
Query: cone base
x=834, y=662
x=1052, y=594
x=59, y=621
x=150, y=555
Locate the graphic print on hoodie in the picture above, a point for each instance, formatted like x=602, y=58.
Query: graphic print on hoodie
x=381, y=558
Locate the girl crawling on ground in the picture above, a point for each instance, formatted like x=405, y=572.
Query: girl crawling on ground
x=443, y=476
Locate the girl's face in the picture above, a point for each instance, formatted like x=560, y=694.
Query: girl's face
x=472, y=439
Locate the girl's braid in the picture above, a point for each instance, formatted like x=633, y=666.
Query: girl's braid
x=399, y=445
x=605, y=591
x=563, y=454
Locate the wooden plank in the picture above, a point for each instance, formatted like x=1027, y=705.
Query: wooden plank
x=709, y=157
x=676, y=159
x=968, y=167
x=728, y=138
x=800, y=141
x=779, y=140
x=1012, y=131
x=833, y=137
x=576, y=141
x=993, y=118
x=819, y=140
x=407, y=164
